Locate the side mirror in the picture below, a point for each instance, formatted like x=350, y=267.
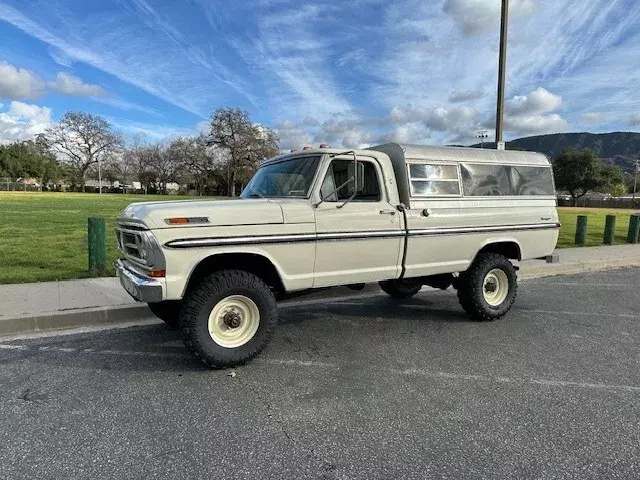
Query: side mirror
x=356, y=171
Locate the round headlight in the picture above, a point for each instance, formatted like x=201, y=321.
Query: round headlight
x=141, y=245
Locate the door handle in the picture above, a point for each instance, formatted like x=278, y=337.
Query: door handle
x=387, y=212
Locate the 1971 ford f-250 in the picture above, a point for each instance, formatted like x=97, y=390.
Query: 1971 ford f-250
x=404, y=216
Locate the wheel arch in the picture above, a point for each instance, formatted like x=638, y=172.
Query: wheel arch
x=508, y=247
x=258, y=264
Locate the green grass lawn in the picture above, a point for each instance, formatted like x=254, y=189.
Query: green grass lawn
x=595, y=225
x=43, y=236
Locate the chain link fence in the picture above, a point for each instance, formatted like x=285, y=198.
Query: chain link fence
x=19, y=185
x=612, y=202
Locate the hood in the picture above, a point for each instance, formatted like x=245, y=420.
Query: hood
x=219, y=212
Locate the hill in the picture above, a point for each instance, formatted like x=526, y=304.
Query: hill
x=617, y=147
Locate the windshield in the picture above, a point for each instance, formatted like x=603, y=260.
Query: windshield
x=290, y=178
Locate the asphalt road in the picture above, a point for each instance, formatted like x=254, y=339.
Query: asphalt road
x=364, y=388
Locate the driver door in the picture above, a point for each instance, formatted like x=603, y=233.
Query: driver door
x=358, y=240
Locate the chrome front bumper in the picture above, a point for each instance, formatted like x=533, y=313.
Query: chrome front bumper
x=140, y=288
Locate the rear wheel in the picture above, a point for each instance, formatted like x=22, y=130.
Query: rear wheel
x=487, y=290
x=402, y=289
x=167, y=311
x=229, y=318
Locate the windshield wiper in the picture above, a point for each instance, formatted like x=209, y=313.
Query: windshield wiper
x=255, y=195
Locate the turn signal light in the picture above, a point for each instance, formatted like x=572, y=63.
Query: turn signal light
x=183, y=220
x=324, y=145
x=177, y=220
x=153, y=273
x=306, y=148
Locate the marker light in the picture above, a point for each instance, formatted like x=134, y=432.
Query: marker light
x=185, y=220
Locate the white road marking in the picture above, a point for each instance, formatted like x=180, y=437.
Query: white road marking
x=317, y=364
x=299, y=363
x=581, y=314
x=576, y=284
x=13, y=347
x=530, y=381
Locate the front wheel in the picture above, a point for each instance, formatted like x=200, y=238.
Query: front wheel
x=229, y=318
x=487, y=290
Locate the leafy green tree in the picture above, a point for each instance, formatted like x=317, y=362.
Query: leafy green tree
x=581, y=171
x=611, y=176
x=619, y=190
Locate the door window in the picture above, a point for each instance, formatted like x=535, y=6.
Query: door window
x=367, y=189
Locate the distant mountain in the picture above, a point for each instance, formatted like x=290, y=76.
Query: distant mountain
x=618, y=147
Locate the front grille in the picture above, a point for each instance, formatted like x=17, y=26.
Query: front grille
x=130, y=242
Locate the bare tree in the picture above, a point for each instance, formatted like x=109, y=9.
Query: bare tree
x=164, y=164
x=246, y=143
x=200, y=164
x=81, y=139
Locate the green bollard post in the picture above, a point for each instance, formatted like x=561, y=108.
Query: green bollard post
x=634, y=229
x=581, y=230
x=97, y=246
x=609, y=229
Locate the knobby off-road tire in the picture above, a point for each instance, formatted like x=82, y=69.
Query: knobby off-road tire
x=400, y=289
x=487, y=290
x=228, y=318
x=168, y=312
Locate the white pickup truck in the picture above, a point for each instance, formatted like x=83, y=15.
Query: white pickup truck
x=404, y=216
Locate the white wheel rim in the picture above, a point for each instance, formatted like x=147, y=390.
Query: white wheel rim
x=495, y=287
x=234, y=321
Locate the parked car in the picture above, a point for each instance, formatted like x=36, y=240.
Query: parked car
x=404, y=216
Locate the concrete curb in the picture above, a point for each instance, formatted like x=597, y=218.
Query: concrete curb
x=576, y=268
x=140, y=313
x=73, y=319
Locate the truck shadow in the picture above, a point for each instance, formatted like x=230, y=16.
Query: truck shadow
x=159, y=348
x=378, y=309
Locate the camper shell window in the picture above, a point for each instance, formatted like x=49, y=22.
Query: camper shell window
x=490, y=180
x=432, y=179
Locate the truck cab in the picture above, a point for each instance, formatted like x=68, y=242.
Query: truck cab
x=404, y=216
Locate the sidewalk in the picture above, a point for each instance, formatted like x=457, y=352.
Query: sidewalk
x=66, y=304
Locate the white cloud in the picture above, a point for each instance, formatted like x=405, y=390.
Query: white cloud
x=532, y=114
x=23, y=121
x=292, y=135
x=60, y=57
x=408, y=134
x=439, y=119
x=523, y=125
x=479, y=16
x=72, y=86
x=459, y=97
x=634, y=120
x=536, y=102
x=18, y=83
x=593, y=117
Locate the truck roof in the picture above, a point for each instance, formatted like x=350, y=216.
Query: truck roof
x=401, y=152
x=460, y=154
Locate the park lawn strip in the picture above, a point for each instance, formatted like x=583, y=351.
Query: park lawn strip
x=596, y=218
x=43, y=236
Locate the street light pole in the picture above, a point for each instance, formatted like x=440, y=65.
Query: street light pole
x=482, y=134
x=502, y=73
x=99, y=175
x=635, y=179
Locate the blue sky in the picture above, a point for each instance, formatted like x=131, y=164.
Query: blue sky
x=347, y=73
